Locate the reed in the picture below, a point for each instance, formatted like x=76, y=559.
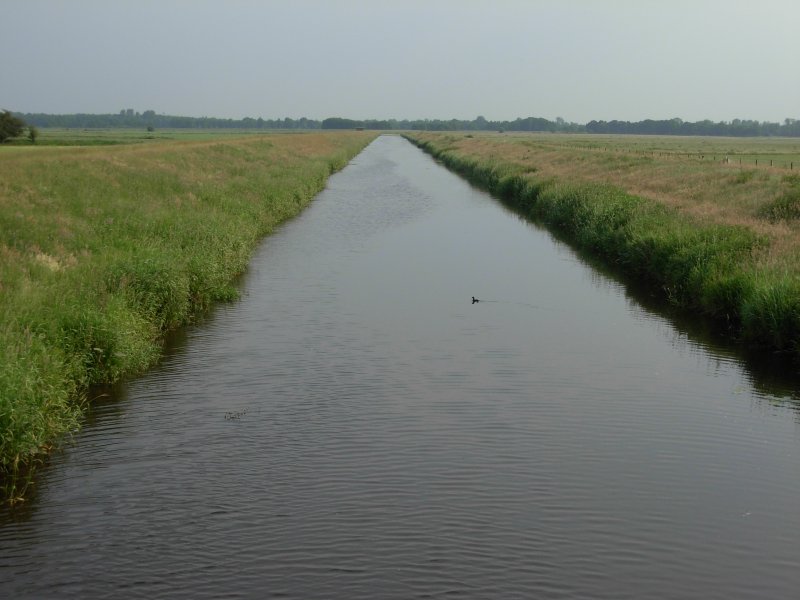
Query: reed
x=103, y=250
x=737, y=267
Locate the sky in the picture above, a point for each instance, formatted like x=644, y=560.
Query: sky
x=407, y=59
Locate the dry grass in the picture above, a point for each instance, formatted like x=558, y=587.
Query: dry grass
x=667, y=170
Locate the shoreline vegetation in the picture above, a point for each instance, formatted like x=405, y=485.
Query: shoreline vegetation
x=103, y=250
x=714, y=238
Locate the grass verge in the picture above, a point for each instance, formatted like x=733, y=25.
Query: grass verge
x=103, y=250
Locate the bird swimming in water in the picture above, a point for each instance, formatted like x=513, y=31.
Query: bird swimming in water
x=474, y=300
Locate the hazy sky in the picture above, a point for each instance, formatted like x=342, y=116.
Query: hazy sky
x=576, y=59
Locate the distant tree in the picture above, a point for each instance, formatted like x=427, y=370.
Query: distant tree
x=10, y=126
x=791, y=127
x=33, y=133
x=340, y=123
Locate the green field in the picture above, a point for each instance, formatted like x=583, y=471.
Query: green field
x=745, y=151
x=54, y=136
x=104, y=249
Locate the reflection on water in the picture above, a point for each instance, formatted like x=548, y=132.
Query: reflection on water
x=558, y=439
x=775, y=375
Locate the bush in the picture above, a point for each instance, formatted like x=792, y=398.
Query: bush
x=10, y=126
x=784, y=207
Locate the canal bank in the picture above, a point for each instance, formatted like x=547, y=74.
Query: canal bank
x=104, y=250
x=706, y=267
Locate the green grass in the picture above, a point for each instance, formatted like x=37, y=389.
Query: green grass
x=59, y=136
x=712, y=267
x=103, y=250
x=787, y=205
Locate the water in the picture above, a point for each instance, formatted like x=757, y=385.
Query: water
x=356, y=428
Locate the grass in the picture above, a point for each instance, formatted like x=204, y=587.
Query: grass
x=785, y=207
x=104, y=249
x=713, y=238
x=782, y=151
x=60, y=136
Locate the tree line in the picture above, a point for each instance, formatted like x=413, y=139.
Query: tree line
x=129, y=118
x=478, y=124
x=149, y=119
x=734, y=128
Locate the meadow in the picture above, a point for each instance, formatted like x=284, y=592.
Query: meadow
x=104, y=136
x=738, y=151
x=713, y=236
x=107, y=245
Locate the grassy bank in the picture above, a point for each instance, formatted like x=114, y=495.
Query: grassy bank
x=103, y=250
x=716, y=239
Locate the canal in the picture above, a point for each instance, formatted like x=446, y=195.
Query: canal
x=357, y=427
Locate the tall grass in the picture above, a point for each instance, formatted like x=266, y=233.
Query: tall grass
x=786, y=206
x=712, y=267
x=103, y=250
